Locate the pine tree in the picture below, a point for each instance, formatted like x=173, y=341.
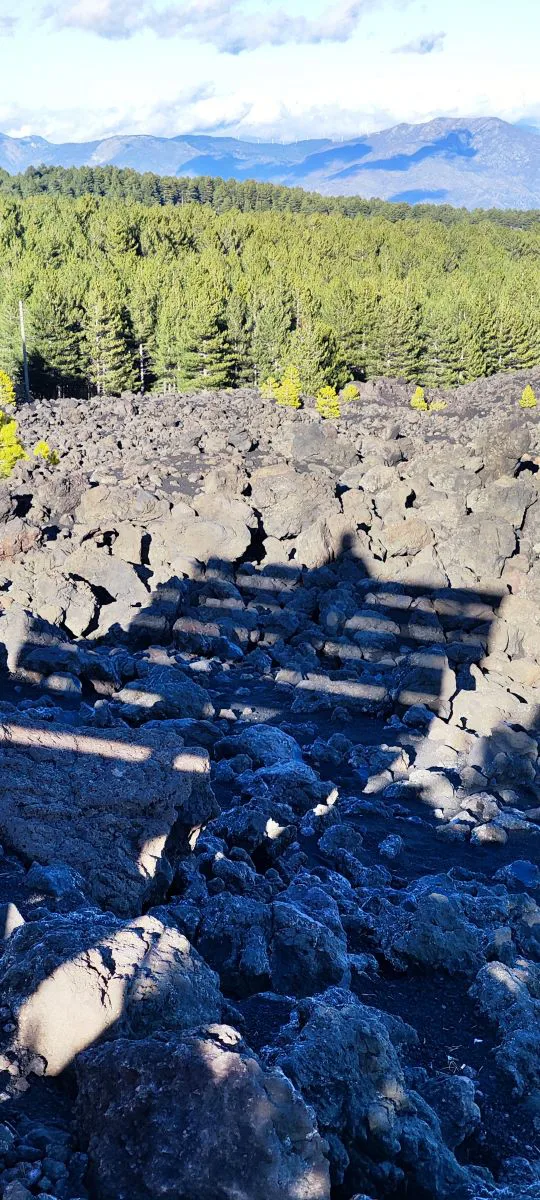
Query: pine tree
x=58, y=362
x=239, y=331
x=271, y=329
x=168, y=336
x=10, y=330
x=205, y=357
x=397, y=345
x=351, y=314
x=313, y=350
x=109, y=341
x=442, y=346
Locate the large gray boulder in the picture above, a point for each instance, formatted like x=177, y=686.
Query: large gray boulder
x=341, y=1056
x=113, y=804
x=290, y=501
x=216, y=1124
x=102, y=570
x=266, y=745
x=104, y=506
x=71, y=980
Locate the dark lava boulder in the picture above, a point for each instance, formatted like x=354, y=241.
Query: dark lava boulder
x=195, y=1116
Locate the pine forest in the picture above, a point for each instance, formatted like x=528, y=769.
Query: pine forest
x=128, y=294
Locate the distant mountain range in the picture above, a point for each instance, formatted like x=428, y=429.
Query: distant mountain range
x=476, y=163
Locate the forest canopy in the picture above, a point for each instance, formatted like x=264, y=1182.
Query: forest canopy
x=184, y=296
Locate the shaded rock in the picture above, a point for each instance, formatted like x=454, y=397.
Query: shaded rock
x=340, y=1055
x=509, y=997
x=112, y=805
x=438, y=936
x=165, y=692
x=70, y=980
x=452, y=1098
x=221, y=1124
x=266, y=745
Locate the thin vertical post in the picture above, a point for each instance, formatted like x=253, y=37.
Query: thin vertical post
x=141, y=365
x=25, y=355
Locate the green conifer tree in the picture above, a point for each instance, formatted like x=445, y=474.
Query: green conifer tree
x=397, y=345
x=313, y=350
x=58, y=359
x=271, y=329
x=109, y=341
x=205, y=355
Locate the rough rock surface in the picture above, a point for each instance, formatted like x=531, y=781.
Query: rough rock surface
x=269, y=756
x=219, y=1125
x=110, y=803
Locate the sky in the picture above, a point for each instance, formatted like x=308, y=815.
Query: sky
x=75, y=70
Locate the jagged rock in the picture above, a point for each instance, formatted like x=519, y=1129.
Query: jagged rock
x=102, y=570
x=71, y=980
x=509, y=997
x=103, y=506
x=452, y=1098
x=30, y=641
x=339, y=1053
x=222, y=1124
x=18, y=537
x=437, y=935
x=297, y=944
x=111, y=804
x=266, y=745
x=164, y=692
x=183, y=535
x=290, y=500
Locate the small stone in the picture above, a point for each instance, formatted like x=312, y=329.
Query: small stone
x=16, y=1191
x=10, y=919
x=7, y=1139
x=489, y=834
x=391, y=847
x=64, y=682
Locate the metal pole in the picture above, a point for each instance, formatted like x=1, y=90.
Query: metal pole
x=25, y=355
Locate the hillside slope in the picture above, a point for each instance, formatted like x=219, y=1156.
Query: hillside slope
x=480, y=162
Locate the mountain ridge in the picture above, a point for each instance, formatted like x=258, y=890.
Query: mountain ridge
x=480, y=162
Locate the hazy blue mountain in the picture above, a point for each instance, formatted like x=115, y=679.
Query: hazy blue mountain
x=477, y=162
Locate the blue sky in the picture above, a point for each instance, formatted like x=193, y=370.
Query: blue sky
x=79, y=69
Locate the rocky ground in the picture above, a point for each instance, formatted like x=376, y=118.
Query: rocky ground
x=269, y=763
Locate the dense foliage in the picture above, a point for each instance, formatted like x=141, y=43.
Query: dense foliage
x=187, y=298
x=119, y=183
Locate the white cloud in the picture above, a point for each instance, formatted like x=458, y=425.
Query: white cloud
x=427, y=44
x=194, y=110
x=7, y=26
x=223, y=23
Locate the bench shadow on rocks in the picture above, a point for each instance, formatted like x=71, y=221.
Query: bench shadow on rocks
x=119, y=798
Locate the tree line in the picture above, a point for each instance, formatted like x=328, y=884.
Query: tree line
x=123, y=183
x=119, y=295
